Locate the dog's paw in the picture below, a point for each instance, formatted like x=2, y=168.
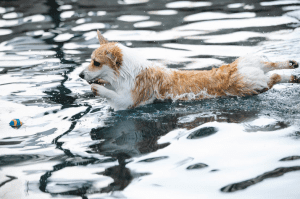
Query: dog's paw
x=293, y=64
x=295, y=79
x=96, y=89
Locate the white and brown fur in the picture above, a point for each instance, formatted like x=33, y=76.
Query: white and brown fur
x=128, y=80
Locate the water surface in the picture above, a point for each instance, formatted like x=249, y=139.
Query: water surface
x=73, y=145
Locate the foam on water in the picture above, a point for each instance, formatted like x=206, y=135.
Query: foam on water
x=65, y=7
x=89, y=26
x=5, y=31
x=217, y=15
x=67, y=14
x=229, y=38
x=238, y=23
x=133, y=18
x=221, y=50
x=146, y=35
x=236, y=5
x=163, y=12
x=147, y=24
x=132, y=1
x=63, y=37
x=273, y=3
x=12, y=15
x=187, y=4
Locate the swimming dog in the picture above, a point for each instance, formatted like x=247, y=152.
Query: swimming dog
x=127, y=80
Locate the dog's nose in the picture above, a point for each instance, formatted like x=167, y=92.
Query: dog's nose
x=81, y=75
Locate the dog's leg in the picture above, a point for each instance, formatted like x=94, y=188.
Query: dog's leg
x=103, y=92
x=269, y=66
x=276, y=78
x=273, y=79
x=295, y=79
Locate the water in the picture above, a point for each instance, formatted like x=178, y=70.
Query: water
x=73, y=145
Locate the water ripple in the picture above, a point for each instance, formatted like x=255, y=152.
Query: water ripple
x=73, y=145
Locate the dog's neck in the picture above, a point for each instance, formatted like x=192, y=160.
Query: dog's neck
x=133, y=64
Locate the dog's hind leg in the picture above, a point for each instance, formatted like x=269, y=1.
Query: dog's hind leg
x=269, y=66
x=261, y=62
x=273, y=79
x=276, y=78
x=295, y=79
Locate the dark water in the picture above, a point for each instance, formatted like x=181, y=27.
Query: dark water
x=73, y=145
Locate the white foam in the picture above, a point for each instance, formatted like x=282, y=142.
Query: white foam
x=5, y=31
x=274, y=3
x=30, y=62
x=229, y=38
x=67, y=14
x=35, y=33
x=63, y=37
x=217, y=15
x=220, y=50
x=35, y=18
x=132, y=1
x=188, y=4
x=98, y=13
x=65, y=7
x=44, y=52
x=8, y=23
x=5, y=57
x=12, y=15
x=163, y=12
x=145, y=35
x=89, y=26
x=133, y=18
x=7, y=9
x=238, y=23
x=236, y=5
x=147, y=24
x=2, y=10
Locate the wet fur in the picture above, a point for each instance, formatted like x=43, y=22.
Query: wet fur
x=135, y=81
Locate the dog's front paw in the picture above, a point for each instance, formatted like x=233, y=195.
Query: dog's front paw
x=103, y=92
x=293, y=64
x=96, y=89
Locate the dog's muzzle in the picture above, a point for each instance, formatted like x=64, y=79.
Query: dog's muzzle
x=94, y=81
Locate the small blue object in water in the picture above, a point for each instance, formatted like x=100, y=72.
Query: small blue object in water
x=15, y=123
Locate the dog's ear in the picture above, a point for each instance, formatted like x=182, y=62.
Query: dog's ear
x=112, y=58
x=101, y=39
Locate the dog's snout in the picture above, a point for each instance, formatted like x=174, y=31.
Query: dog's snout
x=81, y=75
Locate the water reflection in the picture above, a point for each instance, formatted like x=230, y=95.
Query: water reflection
x=132, y=137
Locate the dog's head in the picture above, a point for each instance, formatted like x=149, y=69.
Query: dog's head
x=105, y=64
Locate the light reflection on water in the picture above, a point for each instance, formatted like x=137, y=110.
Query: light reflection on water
x=72, y=145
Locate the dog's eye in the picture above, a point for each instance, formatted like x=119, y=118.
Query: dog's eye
x=96, y=63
